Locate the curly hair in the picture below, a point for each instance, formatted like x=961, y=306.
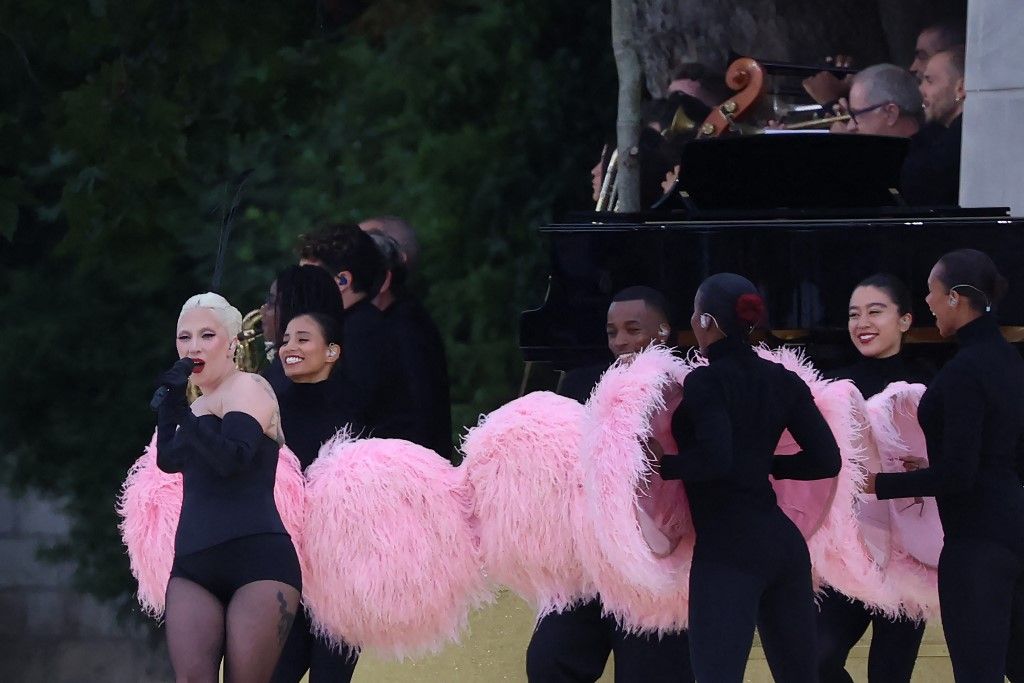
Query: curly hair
x=344, y=247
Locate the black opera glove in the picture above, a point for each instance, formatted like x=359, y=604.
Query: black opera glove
x=175, y=380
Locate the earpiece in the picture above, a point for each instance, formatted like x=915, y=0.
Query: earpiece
x=952, y=301
x=705, y=321
x=342, y=280
x=663, y=331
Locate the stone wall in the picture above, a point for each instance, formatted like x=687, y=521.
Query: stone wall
x=992, y=167
x=49, y=632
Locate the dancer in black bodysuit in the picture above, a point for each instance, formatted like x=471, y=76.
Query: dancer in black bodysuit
x=879, y=314
x=235, y=581
x=309, y=350
x=750, y=566
x=973, y=421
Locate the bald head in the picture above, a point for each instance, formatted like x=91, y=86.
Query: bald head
x=399, y=230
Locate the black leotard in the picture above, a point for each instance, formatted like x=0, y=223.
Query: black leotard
x=229, y=468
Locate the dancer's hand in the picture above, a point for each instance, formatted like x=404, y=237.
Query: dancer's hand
x=869, y=483
x=913, y=462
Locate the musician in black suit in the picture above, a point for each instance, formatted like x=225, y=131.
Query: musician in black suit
x=931, y=173
x=419, y=351
x=573, y=646
x=374, y=392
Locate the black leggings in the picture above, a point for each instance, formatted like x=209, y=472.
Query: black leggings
x=842, y=622
x=981, y=596
x=303, y=652
x=773, y=592
x=573, y=647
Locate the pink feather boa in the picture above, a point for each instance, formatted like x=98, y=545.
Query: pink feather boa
x=806, y=503
x=916, y=529
x=523, y=472
x=627, y=505
x=150, y=504
x=391, y=559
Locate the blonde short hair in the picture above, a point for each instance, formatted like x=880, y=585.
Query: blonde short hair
x=229, y=316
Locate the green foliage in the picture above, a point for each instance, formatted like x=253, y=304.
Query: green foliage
x=122, y=143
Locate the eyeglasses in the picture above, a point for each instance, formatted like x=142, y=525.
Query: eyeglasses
x=854, y=113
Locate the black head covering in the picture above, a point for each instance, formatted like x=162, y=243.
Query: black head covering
x=734, y=302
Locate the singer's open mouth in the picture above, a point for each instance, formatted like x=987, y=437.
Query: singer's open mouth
x=198, y=367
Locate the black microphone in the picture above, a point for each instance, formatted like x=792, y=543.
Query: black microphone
x=184, y=368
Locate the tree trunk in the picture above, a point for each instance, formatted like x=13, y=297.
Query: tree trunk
x=627, y=63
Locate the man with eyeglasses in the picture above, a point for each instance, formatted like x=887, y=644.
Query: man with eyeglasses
x=884, y=100
x=888, y=100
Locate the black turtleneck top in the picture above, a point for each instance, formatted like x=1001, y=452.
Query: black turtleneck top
x=310, y=416
x=733, y=413
x=972, y=416
x=872, y=375
x=931, y=170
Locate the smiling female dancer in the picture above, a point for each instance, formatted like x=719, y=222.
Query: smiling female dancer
x=235, y=582
x=310, y=349
x=879, y=315
x=972, y=416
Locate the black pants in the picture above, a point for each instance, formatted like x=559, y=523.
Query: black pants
x=303, y=651
x=842, y=622
x=770, y=588
x=573, y=647
x=981, y=596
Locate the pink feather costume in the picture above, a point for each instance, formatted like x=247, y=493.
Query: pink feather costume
x=638, y=527
x=916, y=531
x=523, y=473
x=859, y=548
x=150, y=503
x=391, y=563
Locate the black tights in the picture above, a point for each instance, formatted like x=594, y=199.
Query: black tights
x=249, y=631
x=842, y=622
x=573, y=647
x=306, y=652
x=981, y=596
x=726, y=603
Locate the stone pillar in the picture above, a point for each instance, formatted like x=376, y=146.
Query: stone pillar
x=992, y=166
x=50, y=632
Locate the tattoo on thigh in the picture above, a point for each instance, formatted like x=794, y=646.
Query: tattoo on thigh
x=286, y=618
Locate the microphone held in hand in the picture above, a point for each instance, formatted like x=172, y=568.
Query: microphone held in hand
x=175, y=378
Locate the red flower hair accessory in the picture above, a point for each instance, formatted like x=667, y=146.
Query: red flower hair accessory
x=749, y=309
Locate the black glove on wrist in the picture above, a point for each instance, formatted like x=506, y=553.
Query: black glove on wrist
x=170, y=393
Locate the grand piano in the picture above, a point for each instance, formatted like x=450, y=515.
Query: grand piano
x=804, y=241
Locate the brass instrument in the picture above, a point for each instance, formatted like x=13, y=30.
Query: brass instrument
x=814, y=123
x=252, y=353
x=608, y=198
x=680, y=125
